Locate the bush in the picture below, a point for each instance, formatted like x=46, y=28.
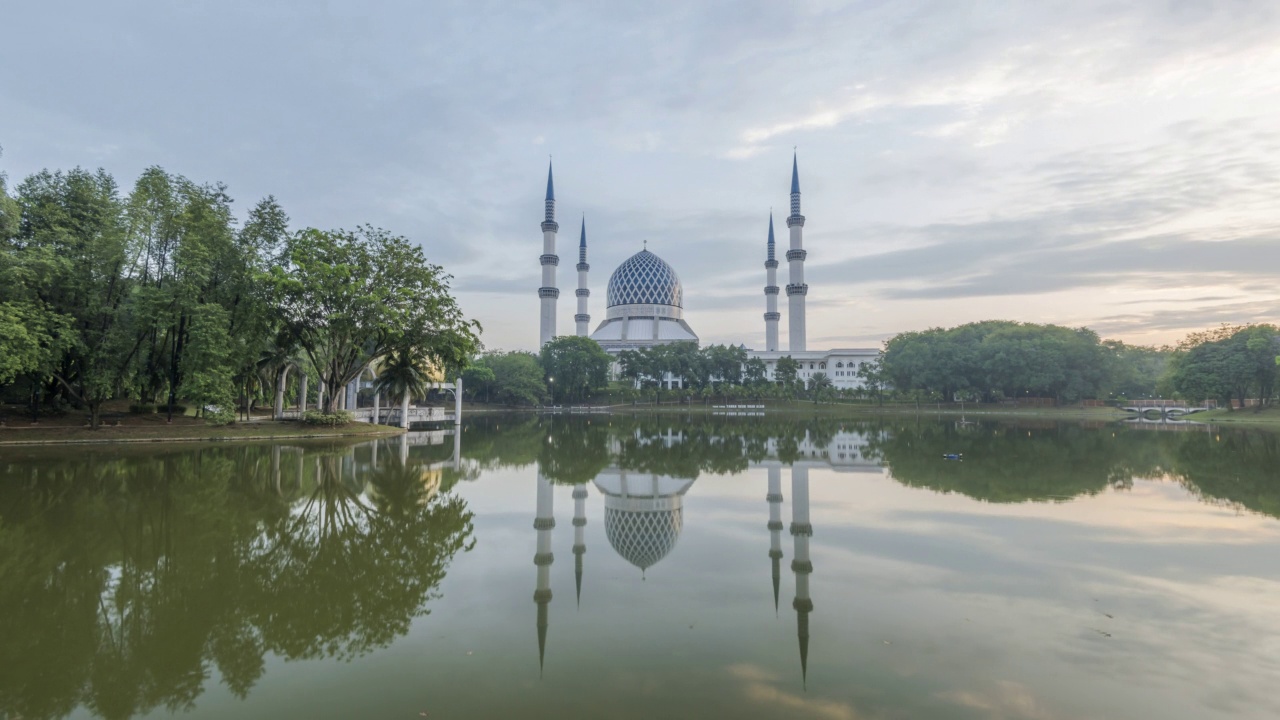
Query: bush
x=218, y=415
x=333, y=419
x=142, y=409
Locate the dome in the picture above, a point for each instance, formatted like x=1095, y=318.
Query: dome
x=645, y=279
x=642, y=537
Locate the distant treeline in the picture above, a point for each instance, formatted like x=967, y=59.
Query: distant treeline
x=160, y=296
x=994, y=360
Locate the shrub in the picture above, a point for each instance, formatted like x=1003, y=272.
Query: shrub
x=218, y=415
x=333, y=419
x=142, y=409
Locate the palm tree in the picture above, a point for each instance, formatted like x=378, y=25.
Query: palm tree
x=404, y=373
x=820, y=385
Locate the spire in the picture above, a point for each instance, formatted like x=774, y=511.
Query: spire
x=551, y=188
x=795, y=178
x=776, y=559
x=542, y=635
x=771, y=243
x=804, y=648
x=582, y=241
x=577, y=577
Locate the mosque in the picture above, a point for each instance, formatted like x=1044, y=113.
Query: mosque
x=645, y=301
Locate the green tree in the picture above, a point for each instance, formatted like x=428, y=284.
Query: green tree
x=350, y=298
x=754, y=372
x=575, y=367
x=70, y=252
x=820, y=387
x=1230, y=362
x=786, y=373
x=517, y=378
x=404, y=374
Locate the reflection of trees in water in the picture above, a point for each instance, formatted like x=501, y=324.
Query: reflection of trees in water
x=1019, y=462
x=125, y=576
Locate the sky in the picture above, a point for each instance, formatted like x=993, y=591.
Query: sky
x=1112, y=165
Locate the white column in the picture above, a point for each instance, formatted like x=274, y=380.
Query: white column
x=548, y=293
x=579, y=536
x=771, y=315
x=377, y=407
x=280, y=382
x=457, y=401
x=774, y=498
x=801, y=531
x=404, y=410
x=543, y=524
x=582, y=320
x=796, y=287
x=302, y=395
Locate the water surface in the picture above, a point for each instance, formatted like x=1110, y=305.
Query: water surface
x=649, y=567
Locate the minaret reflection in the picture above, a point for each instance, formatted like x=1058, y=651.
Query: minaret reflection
x=801, y=531
x=774, y=498
x=579, y=541
x=543, y=558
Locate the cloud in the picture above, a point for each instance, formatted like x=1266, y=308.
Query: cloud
x=949, y=152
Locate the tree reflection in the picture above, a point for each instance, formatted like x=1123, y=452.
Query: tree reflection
x=1040, y=461
x=126, y=577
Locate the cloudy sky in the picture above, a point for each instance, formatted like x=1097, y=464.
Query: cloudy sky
x=1115, y=165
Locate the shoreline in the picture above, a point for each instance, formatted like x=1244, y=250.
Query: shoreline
x=1267, y=418
x=244, y=432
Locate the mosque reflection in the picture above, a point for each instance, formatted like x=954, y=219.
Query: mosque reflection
x=644, y=508
x=642, y=468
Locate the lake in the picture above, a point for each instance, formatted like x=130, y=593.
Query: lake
x=652, y=566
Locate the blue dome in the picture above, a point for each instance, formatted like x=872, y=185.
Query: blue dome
x=645, y=279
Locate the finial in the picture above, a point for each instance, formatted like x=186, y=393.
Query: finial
x=646, y=244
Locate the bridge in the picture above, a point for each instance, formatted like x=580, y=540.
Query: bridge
x=1163, y=408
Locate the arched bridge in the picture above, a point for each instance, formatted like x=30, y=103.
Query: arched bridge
x=1164, y=408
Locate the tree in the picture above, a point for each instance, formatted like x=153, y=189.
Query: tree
x=820, y=386
x=478, y=380
x=405, y=375
x=575, y=367
x=1226, y=363
x=69, y=252
x=754, y=372
x=874, y=379
x=786, y=373
x=517, y=378
x=350, y=298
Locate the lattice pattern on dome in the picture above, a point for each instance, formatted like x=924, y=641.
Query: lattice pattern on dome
x=645, y=279
x=643, y=537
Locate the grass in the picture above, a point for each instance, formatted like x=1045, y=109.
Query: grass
x=18, y=429
x=1246, y=416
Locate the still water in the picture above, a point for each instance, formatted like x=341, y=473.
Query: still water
x=615, y=567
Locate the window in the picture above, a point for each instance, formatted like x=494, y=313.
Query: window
x=839, y=364
x=822, y=366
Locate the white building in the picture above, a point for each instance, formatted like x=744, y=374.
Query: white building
x=645, y=303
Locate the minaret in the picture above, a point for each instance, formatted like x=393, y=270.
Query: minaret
x=543, y=523
x=771, y=315
x=801, y=531
x=582, y=318
x=579, y=542
x=796, y=289
x=774, y=498
x=549, y=293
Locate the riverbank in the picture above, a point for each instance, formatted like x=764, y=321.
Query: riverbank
x=798, y=408
x=1268, y=416
x=155, y=429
